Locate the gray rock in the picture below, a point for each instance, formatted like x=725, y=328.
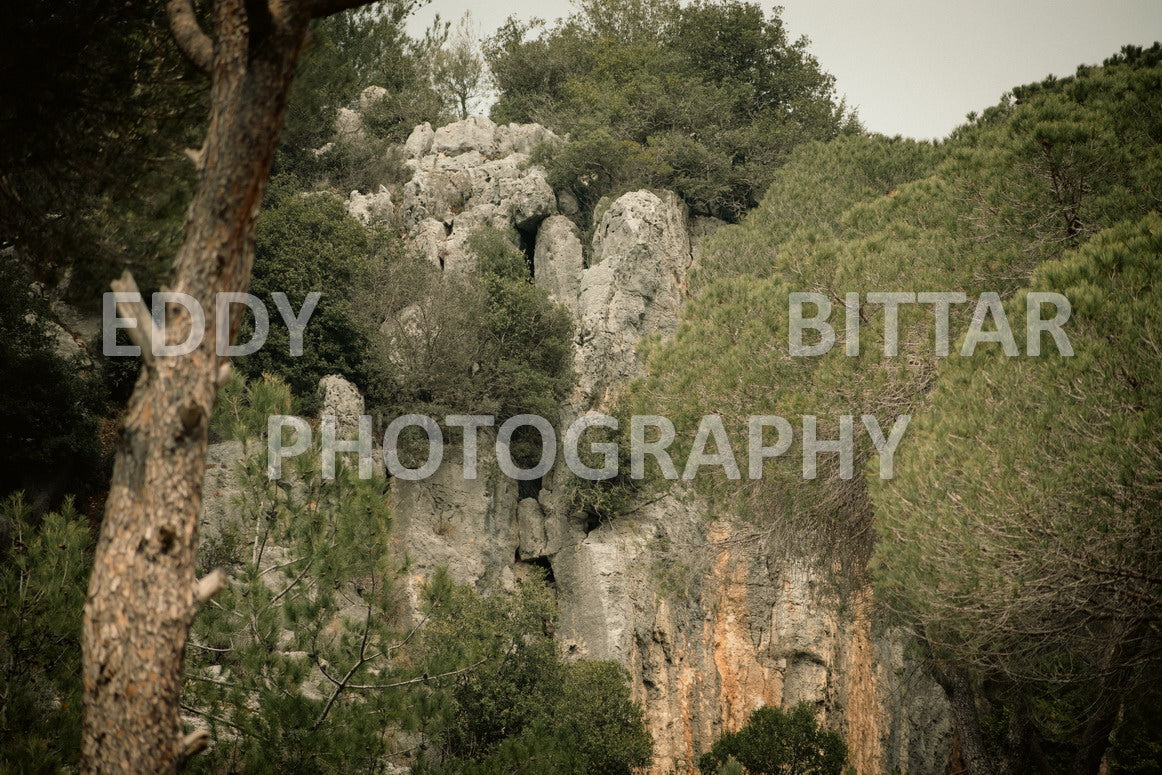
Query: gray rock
x=567, y=204
x=65, y=345
x=521, y=138
x=531, y=529
x=467, y=191
x=467, y=526
x=342, y=400
x=633, y=288
x=370, y=96
x=349, y=125
x=219, y=486
x=371, y=208
x=438, y=189
x=428, y=239
x=458, y=257
x=419, y=142
x=475, y=133
x=557, y=261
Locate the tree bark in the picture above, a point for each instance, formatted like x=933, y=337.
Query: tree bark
x=142, y=594
x=977, y=756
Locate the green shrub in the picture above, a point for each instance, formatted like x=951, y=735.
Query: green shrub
x=486, y=343
x=244, y=406
x=307, y=243
x=706, y=98
x=525, y=709
x=44, y=569
x=778, y=742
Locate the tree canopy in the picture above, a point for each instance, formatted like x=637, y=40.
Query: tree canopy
x=705, y=98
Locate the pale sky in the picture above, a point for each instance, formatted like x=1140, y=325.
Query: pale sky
x=916, y=67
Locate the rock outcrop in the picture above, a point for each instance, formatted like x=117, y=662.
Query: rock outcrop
x=632, y=288
x=709, y=623
x=558, y=261
x=340, y=399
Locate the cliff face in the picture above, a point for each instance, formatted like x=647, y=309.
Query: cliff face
x=709, y=625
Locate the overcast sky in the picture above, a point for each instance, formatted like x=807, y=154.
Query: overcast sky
x=916, y=67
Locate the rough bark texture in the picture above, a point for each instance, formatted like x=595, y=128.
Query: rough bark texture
x=142, y=593
x=978, y=759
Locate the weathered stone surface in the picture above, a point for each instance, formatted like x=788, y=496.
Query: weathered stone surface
x=65, y=345
x=558, y=261
x=478, y=133
x=428, y=239
x=468, y=526
x=469, y=189
x=475, y=133
x=567, y=204
x=219, y=486
x=371, y=208
x=342, y=400
x=440, y=188
x=531, y=529
x=521, y=138
x=712, y=627
x=458, y=257
x=419, y=142
x=633, y=288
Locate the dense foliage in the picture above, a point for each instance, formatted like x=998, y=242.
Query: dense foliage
x=490, y=342
x=44, y=567
x=705, y=98
x=310, y=660
x=1019, y=538
x=95, y=107
x=308, y=243
x=526, y=710
x=777, y=742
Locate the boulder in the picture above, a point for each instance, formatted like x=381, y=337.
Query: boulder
x=567, y=204
x=348, y=125
x=531, y=529
x=370, y=96
x=521, y=138
x=428, y=238
x=475, y=133
x=419, y=142
x=633, y=288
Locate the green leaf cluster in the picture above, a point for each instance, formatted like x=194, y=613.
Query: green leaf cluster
x=1019, y=538
x=490, y=342
x=778, y=742
x=706, y=98
x=525, y=709
x=44, y=569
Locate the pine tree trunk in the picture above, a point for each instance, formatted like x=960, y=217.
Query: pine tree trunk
x=978, y=758
x=142, y=593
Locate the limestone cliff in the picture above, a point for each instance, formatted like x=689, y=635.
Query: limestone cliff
x=709, y=624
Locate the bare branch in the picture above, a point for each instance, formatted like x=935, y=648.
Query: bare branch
x=319, y=8
x=194, y=44
x=209, y=585
x=143, y=334
x=194, y=743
